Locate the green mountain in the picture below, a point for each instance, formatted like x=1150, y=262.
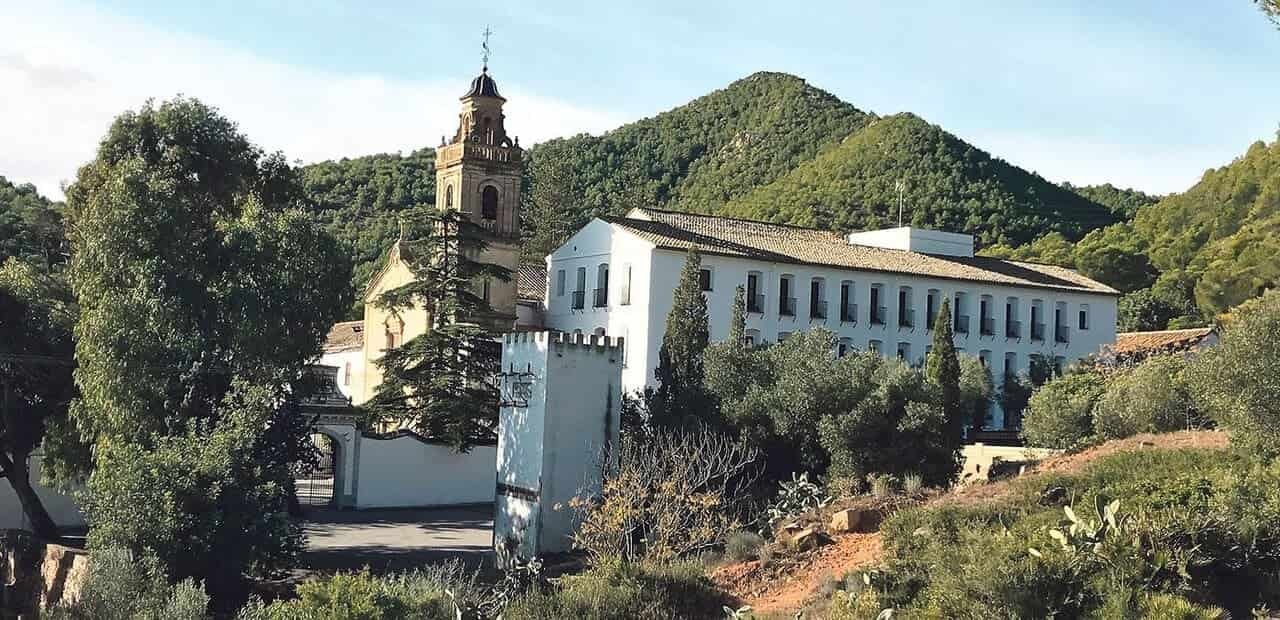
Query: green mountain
x=1122, y=202
x=946, y=183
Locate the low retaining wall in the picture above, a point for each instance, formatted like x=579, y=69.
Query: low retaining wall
x=979, y=458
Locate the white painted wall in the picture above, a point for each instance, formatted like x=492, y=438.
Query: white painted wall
x=656, y=272
x=350, y=365
x=408, y=471
x=62, y=508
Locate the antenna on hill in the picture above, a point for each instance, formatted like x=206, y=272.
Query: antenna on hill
x=901, y=186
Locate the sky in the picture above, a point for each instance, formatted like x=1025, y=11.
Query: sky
x=1139, y=94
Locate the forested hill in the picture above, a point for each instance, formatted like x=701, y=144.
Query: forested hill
x=946, y=184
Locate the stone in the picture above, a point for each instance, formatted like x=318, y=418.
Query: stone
x=847, y=520
x=808, y=539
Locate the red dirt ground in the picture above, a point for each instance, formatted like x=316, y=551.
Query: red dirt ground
x=789, y=584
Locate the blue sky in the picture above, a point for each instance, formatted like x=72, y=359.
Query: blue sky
x=1141, y=94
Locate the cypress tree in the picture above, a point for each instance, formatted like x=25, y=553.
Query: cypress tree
x=738, y=322
x=680, y=395
x=943, y=365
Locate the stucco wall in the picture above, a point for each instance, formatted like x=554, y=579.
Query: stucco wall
x=350, y=365
x=406, y=471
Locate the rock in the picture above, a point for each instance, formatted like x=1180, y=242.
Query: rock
x=808, y=539
x=847, y=520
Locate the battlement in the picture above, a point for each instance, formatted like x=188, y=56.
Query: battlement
x=562, y=340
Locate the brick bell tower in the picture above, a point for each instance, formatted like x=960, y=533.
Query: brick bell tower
x=478, y=173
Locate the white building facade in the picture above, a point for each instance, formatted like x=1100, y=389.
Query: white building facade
x=877, y=290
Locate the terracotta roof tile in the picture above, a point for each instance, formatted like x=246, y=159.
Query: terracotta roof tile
x=790, y=244
x=345, y=336
x=1158, y=341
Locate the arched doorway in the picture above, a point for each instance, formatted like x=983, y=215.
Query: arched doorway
x=315, y=481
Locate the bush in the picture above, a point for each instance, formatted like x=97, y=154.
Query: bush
x=1235, y=382
x=429, y=593
x=742, y=546
x=1060, y=414
x=119, y=586
x=1153, y=397
x=622, y=591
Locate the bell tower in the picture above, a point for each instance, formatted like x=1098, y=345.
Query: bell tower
x=478, y=174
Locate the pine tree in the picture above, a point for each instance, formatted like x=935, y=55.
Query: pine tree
x=681, y=396
x=943, y=365
x=738, y=321
x=439, y=382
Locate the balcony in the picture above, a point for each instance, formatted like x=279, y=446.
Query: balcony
x=818, y=310
x=579, y=300
x=787, y=306
x=601, y=298
x=1060, y=334
x=987, y=326
x=755, y=304
x=1013, y=329
x=906, y=318
x=962, y=324
x=849, y=314
x=877, y=315
x=1037, y=331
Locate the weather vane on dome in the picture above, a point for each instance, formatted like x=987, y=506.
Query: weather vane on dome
x=485, y=46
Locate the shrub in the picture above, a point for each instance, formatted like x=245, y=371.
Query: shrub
x=1235, y=382
x=882, y=485
x=1153, y=397
x=912, y=484
x=671, y=496
x=120, y=586
x=1060, y=414
x=794, y=498
x=742, y=546
x=428, y=593
x=620, y=590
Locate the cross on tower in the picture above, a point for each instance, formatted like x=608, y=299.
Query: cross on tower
x=485, y=46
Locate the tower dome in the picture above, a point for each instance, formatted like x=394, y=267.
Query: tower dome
x=483, y=86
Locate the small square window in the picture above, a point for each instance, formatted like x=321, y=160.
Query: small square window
x=1084, y=318
x=704, y=279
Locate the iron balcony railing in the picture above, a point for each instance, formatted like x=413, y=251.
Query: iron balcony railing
x=787, y=306
x=962, y=323
x=755, y=303
x=818, y=310
x=1013, y=329
x=849, y=314
x=1060, y=333
x=906, y=318
x=579, y=300
x=1037, y=331
x=600, y=298
x=988, y=326
x=877, y=315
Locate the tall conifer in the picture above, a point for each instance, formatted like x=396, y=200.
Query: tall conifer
x=681, y=395
x=943, y=365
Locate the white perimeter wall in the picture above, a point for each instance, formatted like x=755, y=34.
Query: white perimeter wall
x=406, y=471
x=61, y=507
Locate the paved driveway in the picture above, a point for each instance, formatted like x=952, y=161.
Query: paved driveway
x=396, y=540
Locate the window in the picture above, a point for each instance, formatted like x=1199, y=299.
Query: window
x=906, y=311
x=489, y=203
x=848, y=309
x=755, y=301
x=751, y=337
x=904, y=351
x=986, y=322
x=394, y=332
x=704, y=280
x=786, y=303
x=598, y=332
x=346, y=373
x=1010, y=365
x=1084, y=316
x=580, y=293
x=484, y=291
x=877, y=310
x=601, y=298
x=625, y=297
x=783, y=336
x=931, y=309
x=874, y=346
x=961, y=318
x=1037, y=320
x=560, y=283
x=844, y=347
x=984, y=357
x=1012, y=326
x=1059, y=365
x=1060, y=326
x=817, y=299
x=448, y=197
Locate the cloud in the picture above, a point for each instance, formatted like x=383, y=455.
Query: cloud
x=65, y=74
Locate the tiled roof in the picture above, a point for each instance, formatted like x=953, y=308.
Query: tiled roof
x=345, y=336
x=1159, y=341
x=531, y=282
x=790, y=244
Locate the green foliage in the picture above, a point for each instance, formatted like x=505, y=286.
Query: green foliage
x=742, y=546
x=1115, y=256
x=976, y=391
x=623, y=591
x=795, y=497
x=1146, y=310
x=1060, y=413
x=1152, y=397
x=30, y=225
x=1234, y=382
x=121, y=586
x=191, y=261
x=949, y=185
x=1051, y=249
x=435, y=592
x=681, y=397
x=1190, y=525
x=1122, y=202
x=430, y=381
x=943, y=365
